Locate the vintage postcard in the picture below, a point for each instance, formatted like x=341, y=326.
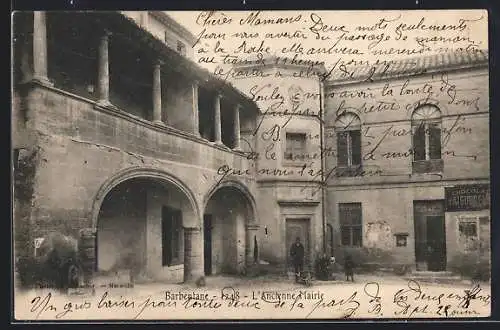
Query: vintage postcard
x=255, y=165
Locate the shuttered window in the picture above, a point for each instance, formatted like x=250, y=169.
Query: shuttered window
x=350, y=224
x=348, y=127
x=295, y=146
x=426, y=137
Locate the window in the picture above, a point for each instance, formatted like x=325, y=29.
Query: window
x=468, y=229
x=171, y=236
x=401, y=239
x=181, y=48
x=426, y=139
x=350, y=224
x=348, y=129
x=295, y=146
x=468, y=233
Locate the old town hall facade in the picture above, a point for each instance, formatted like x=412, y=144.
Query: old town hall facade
x=115, y=130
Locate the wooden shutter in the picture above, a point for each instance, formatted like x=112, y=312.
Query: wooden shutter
x=356, y=147
x=434, y=141
x=342, y=149
x=419, y=142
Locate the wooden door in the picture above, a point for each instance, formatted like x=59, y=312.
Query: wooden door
x=297, y=228
x=436, y=243
x=430, y=237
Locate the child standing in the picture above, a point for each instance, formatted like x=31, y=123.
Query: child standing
x=349, y=268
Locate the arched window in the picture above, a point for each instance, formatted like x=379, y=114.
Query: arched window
x=348, y=129
x=426, y=128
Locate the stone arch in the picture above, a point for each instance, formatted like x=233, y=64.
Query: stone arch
x=241, y=188
x=426, y=112
x=139, y=172
x=347, y=121
x=231, y=230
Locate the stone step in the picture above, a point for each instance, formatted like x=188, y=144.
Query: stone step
x=432, y=274
x=439, y=280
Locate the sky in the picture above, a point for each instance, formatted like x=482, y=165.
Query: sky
x=340, y=29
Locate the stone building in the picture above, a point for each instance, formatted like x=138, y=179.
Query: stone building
x=115, y=129
x=411, y=175
x=179, y=173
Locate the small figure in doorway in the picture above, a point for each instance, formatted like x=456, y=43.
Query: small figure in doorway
x=349, y=267
x=297, y=254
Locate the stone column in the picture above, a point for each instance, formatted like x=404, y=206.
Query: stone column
x=157, y=93
x=193, y=254
x=144, y=19
x=103, y=74
x=217, y=120
x=196, y=118
x=237, y=128
x=252, y=231
x=40, y=70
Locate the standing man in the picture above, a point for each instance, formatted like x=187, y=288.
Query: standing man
x=297, y=254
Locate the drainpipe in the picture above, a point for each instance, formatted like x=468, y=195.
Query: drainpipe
x=321, y=116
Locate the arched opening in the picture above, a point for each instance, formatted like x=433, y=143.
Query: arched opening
x=140, y=230
x=230, y=232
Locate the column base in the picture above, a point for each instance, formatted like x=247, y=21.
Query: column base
x=106, y=104
x=220, y=144
x=159, y=122
x=42, y=80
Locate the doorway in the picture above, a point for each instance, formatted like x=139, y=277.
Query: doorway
x=436, y=245
x=430, y=235
x=207, y=236
x=297, y=228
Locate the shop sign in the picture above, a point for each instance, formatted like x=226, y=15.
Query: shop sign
x=467, y=198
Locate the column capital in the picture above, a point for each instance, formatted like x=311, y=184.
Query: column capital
x=106, y=33
x=158, y=62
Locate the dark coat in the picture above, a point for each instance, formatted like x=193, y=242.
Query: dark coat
x=348, y=264
x=297, y=252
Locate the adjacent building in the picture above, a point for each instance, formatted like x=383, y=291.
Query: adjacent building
x=288, y=154
x=411, y=174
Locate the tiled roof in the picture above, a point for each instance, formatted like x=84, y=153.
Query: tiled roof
x=410, y=66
